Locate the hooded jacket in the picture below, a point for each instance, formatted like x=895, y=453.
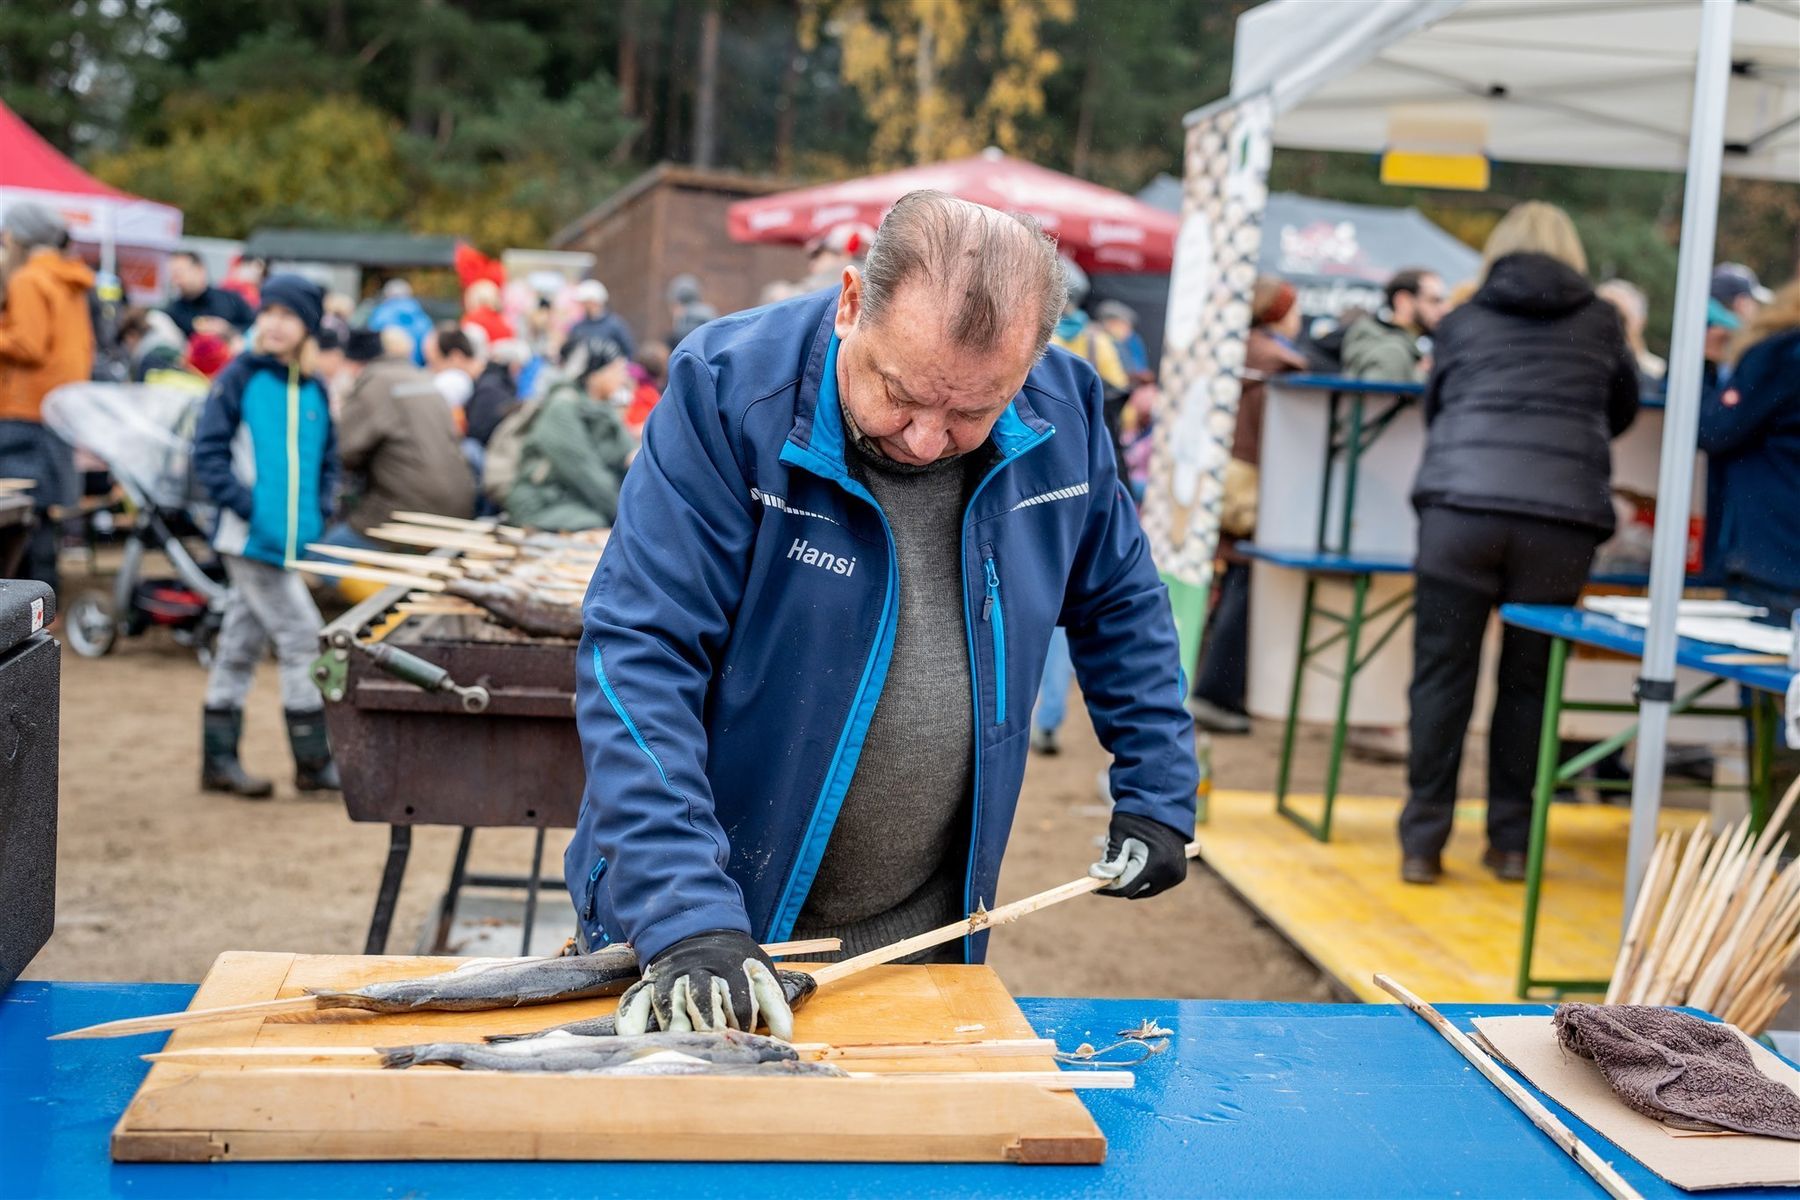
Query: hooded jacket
x=266, y=454
x=396, y=433
x=1531, y=380
x=739, y=628
x=46, y=334
x=570, y=464
x=1750, y=431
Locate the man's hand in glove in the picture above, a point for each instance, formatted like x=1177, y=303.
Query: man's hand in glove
x=1143, y=857
x=719, y=979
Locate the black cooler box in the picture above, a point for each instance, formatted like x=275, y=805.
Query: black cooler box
x=30, y=694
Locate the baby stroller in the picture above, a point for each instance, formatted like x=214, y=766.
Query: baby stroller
x=144, y=434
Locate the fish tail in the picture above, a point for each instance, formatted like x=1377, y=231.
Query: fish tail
x=394, y=1058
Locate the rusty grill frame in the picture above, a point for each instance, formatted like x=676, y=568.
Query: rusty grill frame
x=409, y=756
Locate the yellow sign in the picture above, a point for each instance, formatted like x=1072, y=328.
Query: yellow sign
x=1415, y=168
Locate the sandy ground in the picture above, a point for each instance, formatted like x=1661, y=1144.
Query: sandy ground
x=155, y=878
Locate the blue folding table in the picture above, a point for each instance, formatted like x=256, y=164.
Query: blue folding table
x=1250, y=1100
x=1762, y=684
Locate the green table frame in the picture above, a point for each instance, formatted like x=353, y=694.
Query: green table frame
x=1349, y=632
x=1762, y=714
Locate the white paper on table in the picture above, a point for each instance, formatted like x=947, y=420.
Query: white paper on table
x=1720, y=622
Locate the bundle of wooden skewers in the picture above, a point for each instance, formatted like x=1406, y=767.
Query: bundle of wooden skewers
x=530, y=580
x=1716, y=924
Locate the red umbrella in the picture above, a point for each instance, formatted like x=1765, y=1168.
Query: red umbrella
x=1102, y=230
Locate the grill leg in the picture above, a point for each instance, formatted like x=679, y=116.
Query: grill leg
x=447, y=906
x=531, y=888
x=399, y=846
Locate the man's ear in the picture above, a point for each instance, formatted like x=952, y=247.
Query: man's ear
x=849, y=306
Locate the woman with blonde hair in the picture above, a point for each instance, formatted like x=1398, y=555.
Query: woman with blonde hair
x=1750, y=430
x=1530, y=382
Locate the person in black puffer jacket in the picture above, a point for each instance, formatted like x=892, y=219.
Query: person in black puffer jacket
x=1531, y=381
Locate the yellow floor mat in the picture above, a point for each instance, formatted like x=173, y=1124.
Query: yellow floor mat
x=1342, y=902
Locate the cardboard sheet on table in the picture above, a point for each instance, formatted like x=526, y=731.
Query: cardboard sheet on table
x=1691, y=1163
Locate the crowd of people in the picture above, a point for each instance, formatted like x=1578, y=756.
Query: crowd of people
x=322, y=417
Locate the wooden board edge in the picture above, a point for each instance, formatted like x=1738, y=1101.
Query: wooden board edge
x=258, y=1145
x=1059, y=1151
x=184, y=1146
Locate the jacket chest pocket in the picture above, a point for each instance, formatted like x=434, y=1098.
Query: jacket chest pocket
x=993, y=618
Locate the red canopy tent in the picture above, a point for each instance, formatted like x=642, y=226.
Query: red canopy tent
x=132, y=235
x=1102, y=230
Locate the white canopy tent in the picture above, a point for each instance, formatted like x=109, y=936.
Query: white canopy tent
x=1701, y=86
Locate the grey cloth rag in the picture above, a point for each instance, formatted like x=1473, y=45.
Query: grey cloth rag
x=33, y=224
x=1676, y=1068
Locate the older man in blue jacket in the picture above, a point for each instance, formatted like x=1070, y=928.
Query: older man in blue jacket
x=810, y=651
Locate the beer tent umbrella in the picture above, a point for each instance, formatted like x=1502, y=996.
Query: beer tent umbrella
x=1701, y=86
x=1102, y=230
x=133, y=235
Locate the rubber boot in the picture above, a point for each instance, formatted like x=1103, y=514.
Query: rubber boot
x=313, y=769
x=220, y=770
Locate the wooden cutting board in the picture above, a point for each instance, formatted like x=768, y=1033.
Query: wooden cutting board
x=216, y=1114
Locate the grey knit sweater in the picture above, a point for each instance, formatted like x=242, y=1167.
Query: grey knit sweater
x=897, y=856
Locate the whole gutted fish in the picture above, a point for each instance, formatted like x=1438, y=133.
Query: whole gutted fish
x=478, y=985
x=524, y=612
x=564, y=1052
x=797, y=986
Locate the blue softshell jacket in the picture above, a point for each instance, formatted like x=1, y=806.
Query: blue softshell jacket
x=266, y=452
x=738, y=630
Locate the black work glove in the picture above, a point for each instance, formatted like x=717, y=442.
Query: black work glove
x=1143, y=857
x=720, y=979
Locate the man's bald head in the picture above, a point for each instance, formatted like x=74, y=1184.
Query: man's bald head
x=938, y=330
x=987, y=270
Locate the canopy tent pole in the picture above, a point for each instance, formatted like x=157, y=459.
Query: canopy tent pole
x=1675, y=482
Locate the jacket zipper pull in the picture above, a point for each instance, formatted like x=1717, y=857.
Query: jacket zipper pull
x=993, y=590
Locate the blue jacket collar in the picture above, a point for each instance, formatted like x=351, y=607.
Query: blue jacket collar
x=818, y=432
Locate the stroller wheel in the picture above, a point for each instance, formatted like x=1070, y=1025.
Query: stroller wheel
x=89, y=624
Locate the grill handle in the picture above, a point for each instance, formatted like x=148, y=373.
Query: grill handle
x=428, y=676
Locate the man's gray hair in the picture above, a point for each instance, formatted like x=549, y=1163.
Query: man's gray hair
x=992, y=268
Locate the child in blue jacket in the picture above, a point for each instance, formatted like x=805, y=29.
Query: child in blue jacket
x=266, y=454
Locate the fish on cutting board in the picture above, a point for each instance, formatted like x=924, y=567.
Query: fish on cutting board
x=496, y=984
x=562, y=1051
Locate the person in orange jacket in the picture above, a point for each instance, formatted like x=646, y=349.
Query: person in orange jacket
x=46, y=340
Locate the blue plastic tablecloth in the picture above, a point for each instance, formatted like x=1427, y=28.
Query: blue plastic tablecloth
x=1253, y=1099
x=1610, y=633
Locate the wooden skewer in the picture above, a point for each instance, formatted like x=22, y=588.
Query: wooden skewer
x=371, y=575
x=1649, y=901
x=975, y=922
x=489, y=527
x=442, y=539
x=158, y=1022
x=290, y=1056
x=1530, y=1105
x=418, y=564
x=1056, y=1081
x=198, y=1016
